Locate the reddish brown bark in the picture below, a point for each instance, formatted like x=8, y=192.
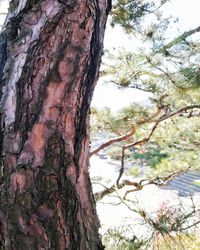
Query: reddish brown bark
x=52, y=51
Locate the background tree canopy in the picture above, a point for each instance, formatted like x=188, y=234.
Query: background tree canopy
x=161, y=135
x=165, y=64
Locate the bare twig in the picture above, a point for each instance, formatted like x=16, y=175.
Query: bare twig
x=99, y=195
x=162, y=180
x=113, y=140
x=179, y=39
x=159, y=181
x=163, y=71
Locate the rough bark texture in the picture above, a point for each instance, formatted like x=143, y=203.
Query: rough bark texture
x=50, y=53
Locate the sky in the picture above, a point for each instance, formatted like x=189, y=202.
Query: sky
x=108, y=95
x=3, y=9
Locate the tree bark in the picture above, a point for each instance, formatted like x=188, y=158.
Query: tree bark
x=49, y=63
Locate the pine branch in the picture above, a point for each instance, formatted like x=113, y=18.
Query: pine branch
x=160, y=107
x=178, y=39
x=146, y=139
x=159, y=181
x=113, y=140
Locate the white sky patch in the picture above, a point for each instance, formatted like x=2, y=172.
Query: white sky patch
x=108, y=95
x=3, y=9
x=186, y=11
x=116, y=38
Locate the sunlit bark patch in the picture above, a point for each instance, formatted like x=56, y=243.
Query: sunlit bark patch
x=18, y=182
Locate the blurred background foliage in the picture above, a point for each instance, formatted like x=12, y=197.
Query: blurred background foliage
x=164, y=63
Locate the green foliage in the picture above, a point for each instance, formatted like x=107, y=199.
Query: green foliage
x=178, y=139
x=192, y=76
x=130, y=13
x=116, y=238
x=130, y=69
x=179, y=241
x=132, y=115
x=163, y=59
x=134, y=171
x=115, y=153
x=101, y=119
x=120, y=122
x=174, y=144
x=164, y=231
x=197, y=182
x=152, y=157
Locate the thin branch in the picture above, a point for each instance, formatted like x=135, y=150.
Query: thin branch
x=139, y=87
x=99, y=195
x=179, y=39
x=164, y=179
x=192, y=225
x=160, y=107
x=179, y=111
x=113, y=140
x=163, y=71
x=159, y=181
x=146, y=139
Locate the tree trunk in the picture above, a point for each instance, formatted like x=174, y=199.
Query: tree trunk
x=50, y=52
